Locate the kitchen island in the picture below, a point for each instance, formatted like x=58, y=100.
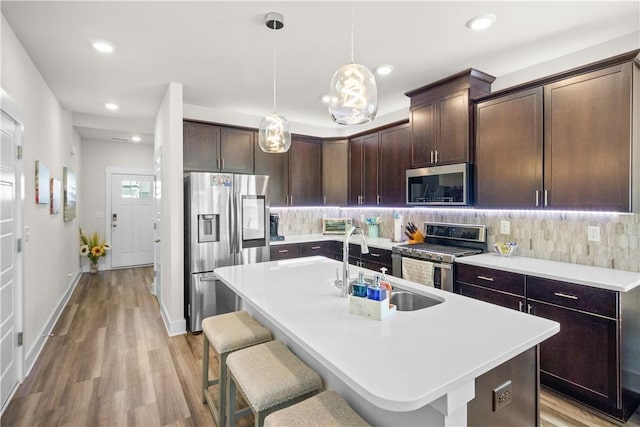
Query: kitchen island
x=415, y=368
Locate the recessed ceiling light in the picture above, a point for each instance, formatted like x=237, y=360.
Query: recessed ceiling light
x=136, y=138
x=111, y=106
x=384, y=70
x=326, y=99
x=481, y=22
x=103, y=47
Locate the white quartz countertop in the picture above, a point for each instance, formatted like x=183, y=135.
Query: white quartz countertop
x=376, y=242
x=399, y=364
x=604, y=278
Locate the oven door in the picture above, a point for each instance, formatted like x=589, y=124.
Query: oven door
x=442, y=272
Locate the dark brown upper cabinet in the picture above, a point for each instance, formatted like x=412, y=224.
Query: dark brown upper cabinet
x=276, y=165
x=508, y=164
x=335, y=170
x=394, y=158
x=363, y=170
x=441, y=118
x=562, y=142
x=212, y=148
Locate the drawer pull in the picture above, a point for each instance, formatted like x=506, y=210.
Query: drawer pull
x=520, y=305
x=529, y=309
x=560, y=294
x=375, y=255
x=488, y=279
x=315, y=247
x=283, y=251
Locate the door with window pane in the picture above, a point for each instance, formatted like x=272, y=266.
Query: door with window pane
x=132, y=205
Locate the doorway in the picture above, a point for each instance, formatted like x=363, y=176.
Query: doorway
x=11, y=356
x=130, y=218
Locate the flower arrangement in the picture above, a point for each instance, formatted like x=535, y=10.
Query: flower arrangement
x=373, y=221
x=93, y=246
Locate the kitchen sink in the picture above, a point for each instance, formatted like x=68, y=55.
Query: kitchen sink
x=408, y=301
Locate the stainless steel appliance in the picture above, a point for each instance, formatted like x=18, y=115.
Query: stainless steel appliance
x=443, y=243
x=439, y=185
x=336, y=225
x=226, y=221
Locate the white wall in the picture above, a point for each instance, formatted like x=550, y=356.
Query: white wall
x=168, y=139
x=96, y=157
x=51, y=261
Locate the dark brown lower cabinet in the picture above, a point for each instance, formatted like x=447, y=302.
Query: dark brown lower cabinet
x=592, y=356
x=581, y=360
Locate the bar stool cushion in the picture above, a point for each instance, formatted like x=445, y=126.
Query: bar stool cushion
x=269, y=374
x=233, y=331
x=326, y=409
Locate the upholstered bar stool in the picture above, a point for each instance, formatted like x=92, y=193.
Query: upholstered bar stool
x=269, y=377
x=226, y=333
x=326, y=409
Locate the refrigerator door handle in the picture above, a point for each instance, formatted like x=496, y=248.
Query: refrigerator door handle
x=238, y=226
x=230, y=209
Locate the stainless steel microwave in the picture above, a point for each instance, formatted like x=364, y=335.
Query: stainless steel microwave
x=448, y=185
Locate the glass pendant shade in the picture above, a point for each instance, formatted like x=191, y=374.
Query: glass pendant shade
x=274, y=135
x=353, y=95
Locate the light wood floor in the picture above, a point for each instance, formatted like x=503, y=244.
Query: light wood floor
x=111, y=363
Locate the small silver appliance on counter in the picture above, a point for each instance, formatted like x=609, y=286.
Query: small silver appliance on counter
x=226, y=221
x=442, y=244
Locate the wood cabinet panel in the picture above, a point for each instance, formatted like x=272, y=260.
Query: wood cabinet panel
x=452, y=128
x=323, y=248
x=490, y=295
x=394, y=159
x=200, y=147
x=276, y=165
x=335, y=169
x=370, y=170
x=423, y=133
x=236, y=150
x=587, y=141
x=581, y=360
x=305, y=172
x=500, y=280
x=508, y=151
x=356, y=148
x=285, y=251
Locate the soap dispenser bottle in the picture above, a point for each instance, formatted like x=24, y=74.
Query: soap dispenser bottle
x=385, y=284
x=375, y=292
x=360, y=288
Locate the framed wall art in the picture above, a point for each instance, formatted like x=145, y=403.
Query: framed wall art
x=56, y=189
x=69, y=184
x=42, y=183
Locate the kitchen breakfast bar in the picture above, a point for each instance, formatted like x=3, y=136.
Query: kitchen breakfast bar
x=459, y=362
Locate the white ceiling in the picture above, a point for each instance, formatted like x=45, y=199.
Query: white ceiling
x=222, y=53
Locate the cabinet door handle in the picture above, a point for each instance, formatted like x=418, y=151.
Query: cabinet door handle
x=520, y=305
x=563, y=295
x=546, y=199
x=324, y=199
x=375, y=255
x=431, y=152
x=378, y=199
x=488, y=279
x=290, y=200
x=313, y=248
x=537, y=197
x=283, y=251
x=436, y=156
x=529, y=309
x=217, y=162
x=222, y=163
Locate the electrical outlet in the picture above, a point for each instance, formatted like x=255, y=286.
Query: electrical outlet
x=99, y=214
x=502, y=395
x=362, y=218
x=505, y=227
x=593, y=233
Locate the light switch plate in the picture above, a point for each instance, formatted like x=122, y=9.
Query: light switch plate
x=505, y=227
x=593, y=233
x=502, y=395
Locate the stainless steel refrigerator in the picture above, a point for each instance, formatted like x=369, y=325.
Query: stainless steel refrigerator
x=226, y=223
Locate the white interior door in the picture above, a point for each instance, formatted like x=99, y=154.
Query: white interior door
x=157, y=228
x=9, y=356
x=132, y=209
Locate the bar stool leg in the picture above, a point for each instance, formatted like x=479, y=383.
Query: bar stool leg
x=205, y=369
x=222, y=408
x=231, y=398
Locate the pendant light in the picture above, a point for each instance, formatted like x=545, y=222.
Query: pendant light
x=274, y=135
x=353, y=93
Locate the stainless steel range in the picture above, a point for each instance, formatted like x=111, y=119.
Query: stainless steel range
x=431, y=262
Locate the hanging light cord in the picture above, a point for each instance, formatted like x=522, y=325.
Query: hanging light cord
x=352, y=61
x=274, y=65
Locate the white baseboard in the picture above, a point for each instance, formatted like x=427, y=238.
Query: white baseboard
x=177, y=327
x=38, y=345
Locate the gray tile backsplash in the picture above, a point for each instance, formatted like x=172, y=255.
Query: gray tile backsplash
x=558, y=236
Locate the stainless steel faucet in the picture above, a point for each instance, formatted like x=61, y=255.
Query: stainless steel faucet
x=345, y=257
